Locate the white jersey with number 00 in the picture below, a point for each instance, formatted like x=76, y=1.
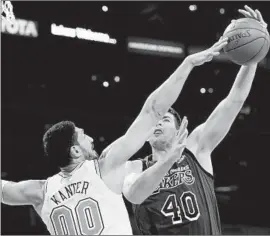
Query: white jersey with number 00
x=81, y=204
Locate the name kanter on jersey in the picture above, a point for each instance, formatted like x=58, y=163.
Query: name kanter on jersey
x=68, y=191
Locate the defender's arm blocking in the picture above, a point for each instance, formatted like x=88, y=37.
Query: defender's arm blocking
x=156, y=105
x=28, y=192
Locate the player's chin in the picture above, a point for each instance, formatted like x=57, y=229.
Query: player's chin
x=95, y=155
x=157, y=141
x=92, y=155
x=152, y=140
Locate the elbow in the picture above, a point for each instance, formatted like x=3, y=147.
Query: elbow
x=155, y=108
x=239, y=98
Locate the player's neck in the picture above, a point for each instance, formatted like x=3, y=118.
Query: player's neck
x=70, y=167
x=158, y=154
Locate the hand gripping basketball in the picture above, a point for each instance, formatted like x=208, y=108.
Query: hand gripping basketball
x=256, y=15
x=249, y=39
x=200, y=58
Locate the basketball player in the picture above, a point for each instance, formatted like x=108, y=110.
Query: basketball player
x=85, y=196
x=174, y=193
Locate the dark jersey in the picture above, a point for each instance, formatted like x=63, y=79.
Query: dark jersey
x=183, y=203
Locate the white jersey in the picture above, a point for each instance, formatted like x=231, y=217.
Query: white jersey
x=81, y=204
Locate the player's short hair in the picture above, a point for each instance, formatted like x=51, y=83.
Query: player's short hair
x=176, y=117
x=57, y=142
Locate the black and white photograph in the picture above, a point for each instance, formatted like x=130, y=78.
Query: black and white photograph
x=135, y=118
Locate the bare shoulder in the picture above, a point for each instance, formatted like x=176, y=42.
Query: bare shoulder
x=40, y=182
x=193, y=139
x=34, y=189
x=27, y=186
x=35, y=185
x=38, y=197
x=201, y=154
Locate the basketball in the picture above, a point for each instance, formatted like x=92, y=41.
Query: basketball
x=248, y=41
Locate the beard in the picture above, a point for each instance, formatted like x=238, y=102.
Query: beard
x=91, y=155
x=95, y=155
x=160, y=144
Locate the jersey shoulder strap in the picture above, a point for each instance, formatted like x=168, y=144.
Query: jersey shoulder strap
x=147, y=162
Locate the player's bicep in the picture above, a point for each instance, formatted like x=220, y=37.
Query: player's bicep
x=28, y=192
x=193, y=139
x=133, y=171
x=126, y=146
x=138, y=133
x=218, y=124
x=203, y=156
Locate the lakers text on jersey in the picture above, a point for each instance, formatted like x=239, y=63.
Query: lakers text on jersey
x=183, y=203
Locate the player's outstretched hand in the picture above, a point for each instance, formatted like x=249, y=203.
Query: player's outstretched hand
x=256, y=15
x=179, y=143
x=207, y=55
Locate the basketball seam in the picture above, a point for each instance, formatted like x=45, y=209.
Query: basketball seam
x=246, y=43
x=256, y=53
x=246, y=28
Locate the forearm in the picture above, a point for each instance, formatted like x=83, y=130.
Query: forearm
x=156, y=105
x=243, y=82
x=147, y=182
x=167, y=93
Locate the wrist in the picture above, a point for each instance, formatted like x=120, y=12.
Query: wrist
x=189, y=62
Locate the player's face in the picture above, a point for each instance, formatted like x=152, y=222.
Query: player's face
x=164, y=132
x=86, y=144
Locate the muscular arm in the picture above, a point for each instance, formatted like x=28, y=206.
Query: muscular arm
x=140, y=185
x=29, y=192
x=208, y=135
x=156, y=105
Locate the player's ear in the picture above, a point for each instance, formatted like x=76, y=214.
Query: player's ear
x=75, y=151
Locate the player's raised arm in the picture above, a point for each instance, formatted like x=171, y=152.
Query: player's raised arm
x=208, y=135
x=29, y=192
x=156, y=105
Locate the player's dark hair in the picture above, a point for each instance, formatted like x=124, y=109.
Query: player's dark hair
x=176, y=117
x=57, y=142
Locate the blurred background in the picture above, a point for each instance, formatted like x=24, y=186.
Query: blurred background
x=95, y=63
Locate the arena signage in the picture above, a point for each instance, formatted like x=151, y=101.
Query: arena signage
x=81, y=33
x=21, y=27
x=155, y=47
